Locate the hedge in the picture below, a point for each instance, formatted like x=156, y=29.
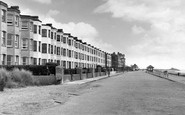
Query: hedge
x=35, y=69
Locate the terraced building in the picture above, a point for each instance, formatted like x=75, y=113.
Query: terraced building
x=25, y=40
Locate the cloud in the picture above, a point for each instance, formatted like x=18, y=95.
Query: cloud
x=43, y=1
x=82, y=30
x=53, y=12
x=162, y=44
x=137, y=30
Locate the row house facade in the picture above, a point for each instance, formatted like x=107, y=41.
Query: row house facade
x=3, y=33
x=25, y=40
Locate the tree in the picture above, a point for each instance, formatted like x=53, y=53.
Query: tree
x=134, y=67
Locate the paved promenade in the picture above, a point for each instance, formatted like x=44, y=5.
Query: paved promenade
x=175, y=78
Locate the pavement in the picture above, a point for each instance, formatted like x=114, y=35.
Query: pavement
x=174, y=78
x=92, y=79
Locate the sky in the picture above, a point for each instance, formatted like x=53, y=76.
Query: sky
x=148, y=32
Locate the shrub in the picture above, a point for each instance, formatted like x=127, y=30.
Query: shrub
x=26, y=77
x=16, y=75
x=3, y=78
x=11, y=84
x=21, y=77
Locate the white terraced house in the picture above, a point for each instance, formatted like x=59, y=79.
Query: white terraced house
x=25, y=40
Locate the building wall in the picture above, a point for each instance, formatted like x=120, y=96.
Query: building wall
x=3, y=29
x=13, y=36
x=118, y=60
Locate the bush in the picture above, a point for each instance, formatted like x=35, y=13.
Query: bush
x=35, y=69
x=3, y=78
x=26, y=77
x=11, y=84
x=16, y=75
x=20, y=78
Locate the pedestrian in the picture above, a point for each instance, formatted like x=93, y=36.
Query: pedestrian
x=165, y=73
x=108, y=72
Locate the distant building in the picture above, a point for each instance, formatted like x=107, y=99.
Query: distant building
x=118, y=61
x=108, y=60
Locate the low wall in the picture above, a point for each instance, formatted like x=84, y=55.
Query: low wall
x=67, y=78
x=84, y=76
x=76, y=77
x=96, y=74
x=89, y=75
x=103, y=73
x=45, y=80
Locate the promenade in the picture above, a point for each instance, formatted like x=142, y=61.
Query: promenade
x=171, y=77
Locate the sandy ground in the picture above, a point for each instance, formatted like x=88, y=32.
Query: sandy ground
x=30, y=100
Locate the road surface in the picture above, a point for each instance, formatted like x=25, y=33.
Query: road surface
x=133, y=93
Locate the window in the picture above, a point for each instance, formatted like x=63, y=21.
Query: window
x=34, y=61
x=64, y=64
x=61, y=51
x=4, y=59
x=76, y=44
x=72, y=42
x=35, y=29
x=24, y=60
x=10, y=40
x=69, y=53
x=39, y=29
x=64, y=40
x=44, y=61
x=44, y=48
x=44, y=33
x=55, y=35
x=51, y=35
x=24, y=43
x=31, y=45
x=58, y=62
x=10, y=19
x=77, y=55
x=58, y=38
x=31, y=26
x=34, y=45
x=3, y=38
x=17, y=60
x=64, y=52
x=58, y=50
x=39, y=46
x=51, y=49
x=17, y=20
x=61, y=38
x=9, y=60
x=55, y=50
x=69, y=42
x=3, y=13
x=82, y=47
x=24, y=25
